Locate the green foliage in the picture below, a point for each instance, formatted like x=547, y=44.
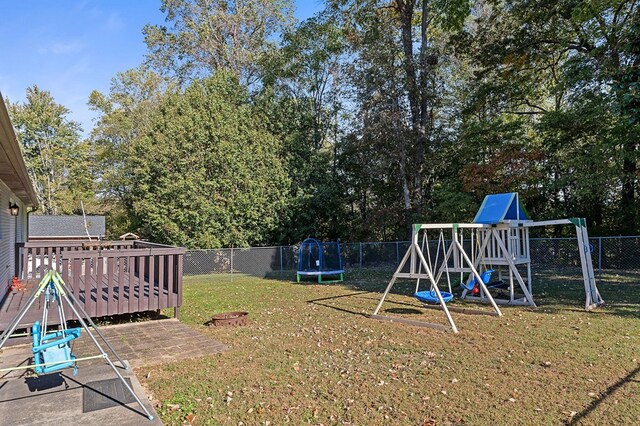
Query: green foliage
x=59, y=163
x=370, y=116
x=207, y=173
x=207, y=36
x=557, y=74
x=301, y=101
x=125, y=115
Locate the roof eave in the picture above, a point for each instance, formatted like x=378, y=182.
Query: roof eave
x=15, y=176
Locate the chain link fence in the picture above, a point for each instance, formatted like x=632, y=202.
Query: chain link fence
x=617, y=256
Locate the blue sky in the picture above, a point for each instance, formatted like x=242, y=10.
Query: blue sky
x=73, y=47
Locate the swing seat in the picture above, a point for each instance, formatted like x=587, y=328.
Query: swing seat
x=55, y=348
x=430, y=296
x=486, y=276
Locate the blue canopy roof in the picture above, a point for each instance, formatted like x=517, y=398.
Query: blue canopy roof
x=497, y=208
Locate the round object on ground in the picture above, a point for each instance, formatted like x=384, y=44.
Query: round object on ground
x=431, y=296
x=229, y=319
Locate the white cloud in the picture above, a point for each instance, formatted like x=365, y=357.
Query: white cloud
x=62, y=48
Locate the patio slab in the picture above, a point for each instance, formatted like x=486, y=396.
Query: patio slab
x=58, y=398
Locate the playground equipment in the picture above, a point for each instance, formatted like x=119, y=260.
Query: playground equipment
x=317, y=259
x=52, y=350
x=496, y=243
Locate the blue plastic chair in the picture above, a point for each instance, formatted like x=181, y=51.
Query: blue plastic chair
x=486, y=276
x=54, y=348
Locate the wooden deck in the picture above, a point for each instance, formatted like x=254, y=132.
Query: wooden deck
x=107, y=282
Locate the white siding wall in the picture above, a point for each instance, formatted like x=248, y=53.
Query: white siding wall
x=8, y=234
x=5, y=240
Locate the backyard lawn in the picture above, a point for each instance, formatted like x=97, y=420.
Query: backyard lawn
x=311, y=355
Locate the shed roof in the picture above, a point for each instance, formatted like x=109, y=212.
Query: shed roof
x=65, y=226
x=498, y=208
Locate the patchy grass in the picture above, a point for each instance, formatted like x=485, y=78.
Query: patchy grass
x=311, y=355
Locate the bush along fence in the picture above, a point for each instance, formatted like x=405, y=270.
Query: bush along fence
x=610, y=255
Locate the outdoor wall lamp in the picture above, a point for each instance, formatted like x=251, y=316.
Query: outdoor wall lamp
x=14, y=209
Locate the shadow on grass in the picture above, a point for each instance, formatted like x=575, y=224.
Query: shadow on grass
x=403, y=311
x=347, y=311
x=553, y=291
x=610, y=390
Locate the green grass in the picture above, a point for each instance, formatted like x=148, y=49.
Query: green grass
x=311, y=355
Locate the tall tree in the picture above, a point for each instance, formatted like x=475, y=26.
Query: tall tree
x=208, y=173
x=125, y=115
x=558, y=69
x=59, y=163
x=301, y=99
x=413, y=51
x=205, y=36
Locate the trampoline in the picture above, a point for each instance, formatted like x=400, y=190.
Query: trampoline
x=320, y=260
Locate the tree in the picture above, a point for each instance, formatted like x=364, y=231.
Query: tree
x=558, y=70
x=207, y=173
x=125, y=115
x=206, y=36
x=301, y=101
x=400, y=50
x=59, y=163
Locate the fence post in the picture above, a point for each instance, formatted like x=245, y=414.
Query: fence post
x=397, y=252
x=281, y=268
x=360, y=255
x=231, y=260
x=600, y=259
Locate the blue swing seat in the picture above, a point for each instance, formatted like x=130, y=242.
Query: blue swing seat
x=430, y=296
x=55, y=348
x=486, y=276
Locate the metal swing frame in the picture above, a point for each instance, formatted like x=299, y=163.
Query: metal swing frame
x=53, y=285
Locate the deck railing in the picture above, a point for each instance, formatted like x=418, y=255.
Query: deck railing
x=111, y=278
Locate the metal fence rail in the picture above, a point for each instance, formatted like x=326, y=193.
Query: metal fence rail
x=609, y=254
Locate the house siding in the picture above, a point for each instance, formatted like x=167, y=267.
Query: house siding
x=6, y=255
x=12, y=230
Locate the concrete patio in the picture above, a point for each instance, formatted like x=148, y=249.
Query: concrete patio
x=57, y=398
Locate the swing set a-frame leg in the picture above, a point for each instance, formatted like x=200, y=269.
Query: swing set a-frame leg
x=106, y=356
x=72, y=302
x=16, y=320
x=413, y=249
